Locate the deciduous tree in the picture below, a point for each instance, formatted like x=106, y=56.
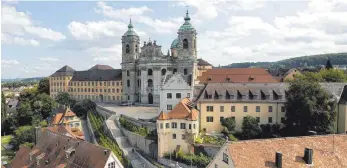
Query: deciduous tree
x=250, y=128
x=308, y=108
x=43, y=86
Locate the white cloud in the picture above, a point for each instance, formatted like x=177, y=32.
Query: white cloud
x=138, y=16
x=9, y=39
x=9, y=63
x=49, y=59
x=106, y=10
x=20, y=24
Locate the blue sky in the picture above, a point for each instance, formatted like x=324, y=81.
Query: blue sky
x=40, y=37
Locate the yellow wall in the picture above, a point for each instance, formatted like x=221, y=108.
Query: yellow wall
x=291, y=75
x=166, y=143
x=113, y=91
x=73, y=122
x=216, y=126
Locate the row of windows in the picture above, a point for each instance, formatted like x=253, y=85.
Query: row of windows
x=239, y=96
x=178, y=95
x=175, y=137
x=245, y=109
x=210, y=119
x=97, y=97
x=92, y=90
x=163, y=72
x=60, y=78
x=108, y=83
x=174, y=125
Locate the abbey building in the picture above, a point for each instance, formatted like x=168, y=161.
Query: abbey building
x=145, y=67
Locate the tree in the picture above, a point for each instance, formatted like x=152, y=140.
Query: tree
x=229, y=123
x=329, y=65
x=333, y=75
x=270, y=130
x=64, y=98
x=23, y=135
x=28, y=94
x=8, y=125
x=82, y=107
x=24, y=114
x=43, y=86
x=250, y=128
x=308, y=108
x=3, y=107
x=44, y=105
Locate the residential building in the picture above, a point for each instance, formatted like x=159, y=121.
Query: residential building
x=292, y=152
x=236, y=75
x=65, y=116
x=144, y=68
x=68, y=131
x=174, y=89
x=100, y=83
x=178, y=128
x=265, y=101
x=287, y=75
x=203, y=66
x=53, y=149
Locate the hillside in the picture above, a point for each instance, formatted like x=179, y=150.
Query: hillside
x=303, y=61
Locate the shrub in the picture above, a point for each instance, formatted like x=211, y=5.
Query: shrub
x=199, y=160
x=231, y=137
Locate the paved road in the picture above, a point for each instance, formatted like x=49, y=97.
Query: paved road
x=86, y=132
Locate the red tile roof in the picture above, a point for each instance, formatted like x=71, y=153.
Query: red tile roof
x=183, y=110
x=236, y=75
x=54, y=146
x=66, y=130
x=328, y=151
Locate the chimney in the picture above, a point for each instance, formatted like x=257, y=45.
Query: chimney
x=278, y=160
x=308, y=156
x=105, y=151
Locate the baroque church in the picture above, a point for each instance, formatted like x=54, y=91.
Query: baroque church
x=145, y=68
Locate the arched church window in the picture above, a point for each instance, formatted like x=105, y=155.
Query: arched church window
x=128, y=83
x=128, y=74
x=185, y=71
x=174, y=71
x=139, y=83
x=136, y=49
x=163, y=71
x=150, y=83
x=185, y=44
x=149, y=72
x=127, y=49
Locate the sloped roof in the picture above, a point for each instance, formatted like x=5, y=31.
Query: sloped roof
x=236, y=75
x=328, y=151
x=100, y=67
x=57, y=118
x=66, y=130
x=202, y=62
x=97, y=75
x=61, y=112
x=54, y=147
x=183, y=110
x=162, y=116
x=64, y=71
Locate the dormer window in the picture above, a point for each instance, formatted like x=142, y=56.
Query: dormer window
x=209, y=78
x=250, y=78
x=227, y=79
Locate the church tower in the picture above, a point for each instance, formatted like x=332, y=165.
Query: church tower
x=130, y=53
x=186, y=50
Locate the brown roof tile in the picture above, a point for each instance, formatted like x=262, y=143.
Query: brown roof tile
x=183, y=110
x=237, y=75
x=53, y=147
x=57, y=118
x=328, y=151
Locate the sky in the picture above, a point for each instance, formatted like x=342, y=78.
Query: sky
x=38, y=38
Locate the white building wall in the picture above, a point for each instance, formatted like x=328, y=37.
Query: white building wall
x=113, y=158
x=176, y=84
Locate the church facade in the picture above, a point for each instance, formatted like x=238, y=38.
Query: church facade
x=145, y=68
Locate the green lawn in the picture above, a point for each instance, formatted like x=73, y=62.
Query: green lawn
x=6, y=155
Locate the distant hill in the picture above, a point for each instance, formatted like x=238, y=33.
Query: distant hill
x=303, y=61
x=24, y=80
